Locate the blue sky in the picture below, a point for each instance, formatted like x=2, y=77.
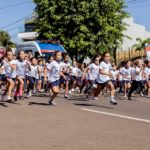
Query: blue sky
x=14, y=10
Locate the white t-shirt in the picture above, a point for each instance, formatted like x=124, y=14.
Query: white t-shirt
x=33, y=72
x=126, y=72
x=133, y=73
x=66, y=67
x=74, y=71
x=139, y=76
x=93, y=71
x=120, y=74
x=21, y=68
x=41, y=68
x=114, y=74
x=147, y=73
x=106, y=67
x=8, y=70
x=2, y=70
x=54, y=69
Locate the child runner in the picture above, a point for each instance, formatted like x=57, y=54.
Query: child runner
x=126, y=72
x=104, y=77
x=33, y=71
x=10, y=70
x=93, y=71
x=21, y=65
x=74, y=75
x=66, y=69
x=115, y=75
x=138, y=82
x=147, y=77
x=54, y=73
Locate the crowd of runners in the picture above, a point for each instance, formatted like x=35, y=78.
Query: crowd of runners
x=24, y=75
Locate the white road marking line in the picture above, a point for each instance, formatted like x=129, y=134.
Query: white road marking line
x=116, y=115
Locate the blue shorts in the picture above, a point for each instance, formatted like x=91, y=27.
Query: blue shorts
x=114, y=82
x=79, y=80
x=55, y=83
x=126, y=81
x=73, y=78
x=67, y=77
x=2, y=77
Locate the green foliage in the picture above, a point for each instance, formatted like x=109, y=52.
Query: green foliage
x=84, y=27
x=5, y=39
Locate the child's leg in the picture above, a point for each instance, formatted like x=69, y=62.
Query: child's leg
x=112, y=88
x=39, y=85
x=148, y=86
x=66, y=87
x=133, y=88
x=125, y=89
x=112, y=91
x=10, y=87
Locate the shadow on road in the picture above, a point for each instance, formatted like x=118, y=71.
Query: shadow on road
x=78, y=99
x=90, y=105
x=11, y=102
x=35, y=103
x=3, y=104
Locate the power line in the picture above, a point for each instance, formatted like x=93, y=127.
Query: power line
x=13, y=28
x=131, y=1
x=137, y=3
x=15, y=5
x=6, y=26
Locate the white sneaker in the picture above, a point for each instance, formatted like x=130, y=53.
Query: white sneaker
x=52, y=103
x=30, y=93
x=147, y=96
x=8, y=98
x=113, y=101
x=125, y=96
x=94, y=98
x=70, y=92
x=141, y=94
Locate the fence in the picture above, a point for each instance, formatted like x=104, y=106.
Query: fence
x=130, y=54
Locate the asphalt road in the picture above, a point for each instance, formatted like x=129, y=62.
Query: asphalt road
x=75, y=124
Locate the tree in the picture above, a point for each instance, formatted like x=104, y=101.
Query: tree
x=141, y=45
x=5, y=39
x=85, y=27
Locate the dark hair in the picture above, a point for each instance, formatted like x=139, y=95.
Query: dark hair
x=146, y=62
x=32, y=58
x=56, y=53
x=102, y=58
x=9, y=51
x=19, y=53
x=127, y=62
x=65, y=54
x=96, y=56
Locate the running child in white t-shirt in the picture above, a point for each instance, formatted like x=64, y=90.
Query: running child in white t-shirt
x=54, y=73
x=31, y=74
x=126, y=72
x=105, y=75
x=74, y=75
x=93, y=72
x=147, y=77
x=21, y=65
x=138, y=79
x=66, y=71
x=10, y=70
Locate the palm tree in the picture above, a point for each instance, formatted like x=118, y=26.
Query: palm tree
x=141, y=45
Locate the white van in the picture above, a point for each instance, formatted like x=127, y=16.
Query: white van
x=39, y=48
